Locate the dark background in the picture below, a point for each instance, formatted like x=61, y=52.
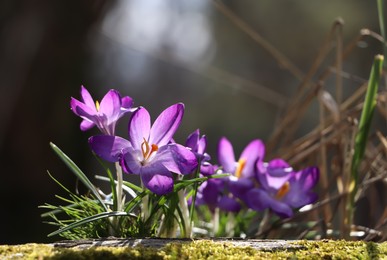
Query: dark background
x=159, y=53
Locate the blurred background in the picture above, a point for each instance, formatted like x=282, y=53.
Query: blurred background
x=159, y=52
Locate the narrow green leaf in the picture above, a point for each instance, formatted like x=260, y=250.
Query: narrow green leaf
x=366, y=115
x=80, y=175
x=217, y=176
x=135, y=201
x=181, y=222
x=92, y=218
x=133, y=186
x=362, y=136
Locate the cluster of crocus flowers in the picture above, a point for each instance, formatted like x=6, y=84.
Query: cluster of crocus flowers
x=256, y=184
x=150, y=152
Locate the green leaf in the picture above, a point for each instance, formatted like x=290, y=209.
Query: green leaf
x=366, y=118
x=133, y=186
x=80, y=175
x=92, y=218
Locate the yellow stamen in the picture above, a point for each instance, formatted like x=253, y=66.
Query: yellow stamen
x=97, y=105
x=145, y=149
x=283, y=191
x=239, y=169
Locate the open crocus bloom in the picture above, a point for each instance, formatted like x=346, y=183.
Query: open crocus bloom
x=148, y=151
x=282, y=189
x=105, y=114
x=243, y=170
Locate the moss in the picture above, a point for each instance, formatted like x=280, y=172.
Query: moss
x=204, y=249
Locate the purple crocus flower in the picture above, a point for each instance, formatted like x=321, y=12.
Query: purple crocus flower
x=211, y=193
x=231, y=190
x=243, y=170
x=105, y=114
x=149, y=152
x=282, y=189
x=198, y=145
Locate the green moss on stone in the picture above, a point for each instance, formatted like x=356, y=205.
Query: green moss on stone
x=204, y=249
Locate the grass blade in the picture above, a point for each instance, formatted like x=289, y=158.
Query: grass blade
x=362, y=136
x=366, y=115
x=80, y=175
x=90, y=219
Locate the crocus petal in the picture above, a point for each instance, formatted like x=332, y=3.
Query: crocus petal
x=210, y=192
x=297, y=199
x=281, y=209
x=207, y=169
x=229, y=204
x=111, y=105
x=126, y=103
x=81, y=109
x=254, y=151
x=278, y=168
x=184, y=158
x=139, y=128
x=277, y=182
x=129, y=161
x=160, y=183
x=202, y=145
x=108, y=147
x=86, y=97
x=226, y=156
x=239, y=187
x=299, y=193
x=176, y=158
x=166, y=125
x=192, y=140
x=267, y=181
x=309, y=177
x=86, y=125
x=257, y=199
x=261, y=175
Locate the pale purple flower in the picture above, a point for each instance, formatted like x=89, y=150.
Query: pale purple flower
x=243, y=170
x=149, y=152
x=230, y=191
x=282, y=189
x=104, y=115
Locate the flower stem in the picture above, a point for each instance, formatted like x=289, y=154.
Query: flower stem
x=145, y=205
x=265, y=221
x=195, y=187
x=215, y=222
x=186, y=214
x=120, y=199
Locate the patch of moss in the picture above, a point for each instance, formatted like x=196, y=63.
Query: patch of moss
x=204, y=249
x=341, y=249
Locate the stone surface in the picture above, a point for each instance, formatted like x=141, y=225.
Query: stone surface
x=161, y=242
